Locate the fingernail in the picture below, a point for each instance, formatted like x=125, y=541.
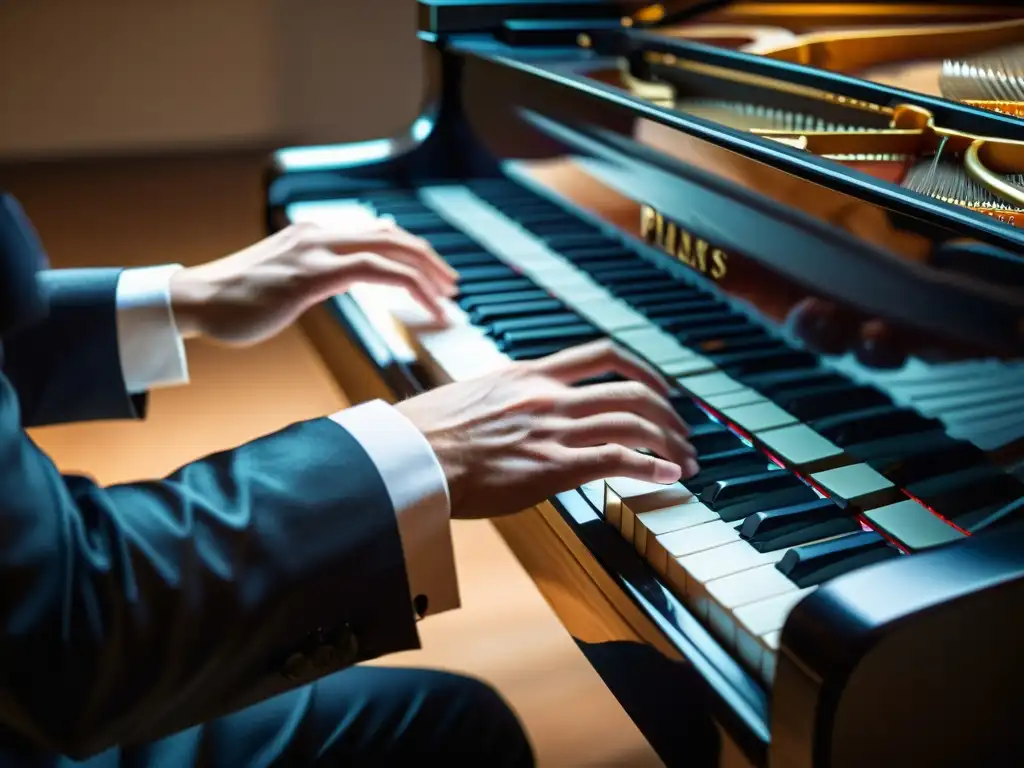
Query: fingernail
x=690, y=468
x=666, y=473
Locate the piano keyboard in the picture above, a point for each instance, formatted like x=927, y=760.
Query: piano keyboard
x=807, y=471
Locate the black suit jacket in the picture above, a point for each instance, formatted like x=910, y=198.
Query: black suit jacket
x=134, y=611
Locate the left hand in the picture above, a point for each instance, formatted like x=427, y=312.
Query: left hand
x=255, y=293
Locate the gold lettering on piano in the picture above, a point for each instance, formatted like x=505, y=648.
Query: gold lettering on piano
x=695, y=252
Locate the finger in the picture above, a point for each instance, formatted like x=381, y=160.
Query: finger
x=374, y=268
x=596, y=359
x=823, y=326
x=880, y=346
x=630, y=430
x=618, y=461
x=622, y=397
x=390, y=241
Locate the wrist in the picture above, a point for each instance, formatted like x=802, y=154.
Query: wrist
x=191, y=296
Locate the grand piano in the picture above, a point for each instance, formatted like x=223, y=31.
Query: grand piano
x=811, y=217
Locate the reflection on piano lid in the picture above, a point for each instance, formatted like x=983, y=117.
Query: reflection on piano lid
x=841, y=569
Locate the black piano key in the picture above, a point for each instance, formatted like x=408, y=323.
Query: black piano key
x=496, y=286
x=739, y=497
x=740, y=365
x=537, y=351
x=688, y=410
x=708, y=337
x=821, y=401
x=591, y=255
x=722, y=466
x=622, y=276
x=944, y=455
x=559, y=242
x=770, y=382
x=451, y=243
x=487, y=273
x=812, y=564
x=423, y=223
x=862, y=426
x=459, y=261
x=966, y=496
x=1005, y=514
x=706, y=440
x=475, y=301
x=731, y=344
x=493, y=312
x=716, y=320
x=539, y=320
x=571, y=335
x=605, y=378
x=797, y=524
x=659, y=293
x=679, y=307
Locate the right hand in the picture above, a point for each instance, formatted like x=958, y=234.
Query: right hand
x=511, y=439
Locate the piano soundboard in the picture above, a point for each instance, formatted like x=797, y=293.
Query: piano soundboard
x=836, y=503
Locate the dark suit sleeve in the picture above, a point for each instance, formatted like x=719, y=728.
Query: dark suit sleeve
x=67, y=367
x=135, y=611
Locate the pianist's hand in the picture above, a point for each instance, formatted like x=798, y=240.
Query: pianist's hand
x=510, y=440
x=255, y=293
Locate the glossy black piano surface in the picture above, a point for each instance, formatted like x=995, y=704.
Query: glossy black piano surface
x=846, y=571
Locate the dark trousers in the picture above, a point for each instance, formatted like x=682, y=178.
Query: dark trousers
x=363, y=716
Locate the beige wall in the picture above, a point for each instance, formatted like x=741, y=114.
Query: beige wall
x=112, y=76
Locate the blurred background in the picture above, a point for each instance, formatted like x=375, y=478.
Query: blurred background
x=134, y=132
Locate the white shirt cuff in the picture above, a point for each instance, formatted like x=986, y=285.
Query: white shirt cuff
x=150, y=346
x=419, y=495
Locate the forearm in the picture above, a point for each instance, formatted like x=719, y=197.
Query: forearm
x=139, y=610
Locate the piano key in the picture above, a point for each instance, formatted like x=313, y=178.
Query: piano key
x=793, y=525
x=577, y=333
x=1007, y=514
x=539, y=320
x=800, y=447
x=469, y=303
x=720, y=598
x=819, y=402
x=625, y=495
x=912, y=525
x=611, y=316
x=493, y=312
x=965, y=496
x=813, y=564
x=686, y=366
x=758, y=417
x=856, y=485
x=496, y=286
x=486, y=274
x=745, y=364
x=756, y=493
x=630, y=501
x=707, y=384
x=728, y=400
x=759, y=624
x=687, y=541
x=652, y=344
x=862, y=426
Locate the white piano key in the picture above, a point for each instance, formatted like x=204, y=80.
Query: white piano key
x=658, y=522
x=913, y=525
x=707, y=384
x=687, y=541
x=856, y=485
x=610, y=315
x=759, y=416
x=725, y=595
x=625, y=497
x=702, y=567
x=653, y=344
x=801, y=447
x=686, y=366
x=462, y=352
x=745, y=396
